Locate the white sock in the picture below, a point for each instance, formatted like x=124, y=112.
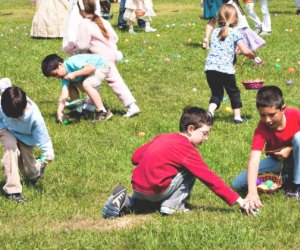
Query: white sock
x=132, y=105
x=103, y=110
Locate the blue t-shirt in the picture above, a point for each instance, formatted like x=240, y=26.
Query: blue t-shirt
x=221, y=54
x=77, y=62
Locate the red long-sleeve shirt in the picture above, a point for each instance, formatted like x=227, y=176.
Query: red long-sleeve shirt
x=161, y=159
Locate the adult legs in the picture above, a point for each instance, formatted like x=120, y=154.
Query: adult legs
x=253, y=16
x=296, y=154
x=266, y=23
x=121, y=21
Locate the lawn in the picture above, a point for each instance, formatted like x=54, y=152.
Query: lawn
x=64, y=210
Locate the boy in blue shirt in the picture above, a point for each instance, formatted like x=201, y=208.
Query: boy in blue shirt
x=83, y=72
x=21, y=128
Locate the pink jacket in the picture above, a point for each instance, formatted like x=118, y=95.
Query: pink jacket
x=90, y=38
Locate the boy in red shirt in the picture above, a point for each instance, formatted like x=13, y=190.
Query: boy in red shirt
x=166, y=169
x=278, y=134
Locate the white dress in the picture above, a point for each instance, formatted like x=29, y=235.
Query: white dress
x=50, y=18
x=145, y=5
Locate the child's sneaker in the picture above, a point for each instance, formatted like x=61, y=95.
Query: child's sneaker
x=169, y=211
x=132, y=111
x=17, y=197
x=150, y=29
x=115, y=203
x=101, y=116
x=132, y=32
x=293, y=192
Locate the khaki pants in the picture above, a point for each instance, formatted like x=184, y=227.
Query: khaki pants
x=17, y=155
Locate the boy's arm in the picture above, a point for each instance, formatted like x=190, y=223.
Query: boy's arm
x=61, y=102
x=252, y=200
x=87, y=69
x=138, y=153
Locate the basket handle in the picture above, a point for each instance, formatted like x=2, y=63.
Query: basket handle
x=262, y=68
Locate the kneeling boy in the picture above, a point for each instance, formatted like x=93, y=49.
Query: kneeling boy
x=166, y=169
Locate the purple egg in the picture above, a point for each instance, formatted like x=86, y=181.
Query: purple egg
x=259, y=181
x=289, y=82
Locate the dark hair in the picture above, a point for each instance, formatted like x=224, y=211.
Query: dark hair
x=269, y=96
x=194, y=116
x=13, y=102
x=50, y=63
x=89, y=12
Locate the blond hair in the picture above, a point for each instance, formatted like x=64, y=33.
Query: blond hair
x=89, y=12
x=227, y=17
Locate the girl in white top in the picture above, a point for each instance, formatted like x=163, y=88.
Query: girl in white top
x=136, y=9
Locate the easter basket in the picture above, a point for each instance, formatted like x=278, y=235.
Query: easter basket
x=269, y=182
x=253, y=83
x=139, y=13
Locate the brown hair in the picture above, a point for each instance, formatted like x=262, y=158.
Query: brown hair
x=227, y=17
x=89, y=12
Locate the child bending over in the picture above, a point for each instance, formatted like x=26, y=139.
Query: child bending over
x=97, y=36
x=83, y=72
x=219, y=67
x=21, y=128
x=166, y=170
x=278, y=133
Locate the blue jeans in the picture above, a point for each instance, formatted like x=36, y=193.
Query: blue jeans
x=291, y=165
x=122, y=22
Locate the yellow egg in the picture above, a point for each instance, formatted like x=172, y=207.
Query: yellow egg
x=141, y=134
x=229, y=110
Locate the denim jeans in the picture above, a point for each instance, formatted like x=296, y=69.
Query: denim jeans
x=291, y=165
x=121, y=21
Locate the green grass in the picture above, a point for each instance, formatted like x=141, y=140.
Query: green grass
x=64, y=210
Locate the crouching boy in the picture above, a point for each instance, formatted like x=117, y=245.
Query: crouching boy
x=21, y=128
x=166, y=169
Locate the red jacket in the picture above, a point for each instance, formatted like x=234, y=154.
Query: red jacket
x=161, y=159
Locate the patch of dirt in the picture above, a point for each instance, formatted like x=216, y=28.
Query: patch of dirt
x=101, y=224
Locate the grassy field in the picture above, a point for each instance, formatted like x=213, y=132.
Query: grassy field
x=64, y=210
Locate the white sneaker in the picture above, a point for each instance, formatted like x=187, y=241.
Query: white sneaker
x=169, y=211
x=132, y=111
x=132, y=32
x=150, y=29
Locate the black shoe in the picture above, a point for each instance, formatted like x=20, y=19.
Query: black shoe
x=17, y=197
x=101, y=116
x=115, y=203
x=293, y=192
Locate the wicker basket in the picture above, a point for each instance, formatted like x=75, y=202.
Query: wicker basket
x=139, y=13
x=256, y=83
x=275, y=178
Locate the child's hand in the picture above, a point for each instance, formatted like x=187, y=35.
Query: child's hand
x=59, y=117
x=283, y=153
x=259, y=61
x=70, y=76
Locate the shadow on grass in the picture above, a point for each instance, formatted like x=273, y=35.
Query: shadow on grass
x=194, y=45
x=229, y=118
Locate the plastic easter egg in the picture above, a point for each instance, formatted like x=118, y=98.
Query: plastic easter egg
x=269, y=183
x=259, y=181
x=289, y=82
x=194, y=89
x=228, y=110
x=277, y=66
x=189, y=40
x=298, y=63
x=66, y=121
x=167, y=59
x=291, y=70
x=141, y=134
